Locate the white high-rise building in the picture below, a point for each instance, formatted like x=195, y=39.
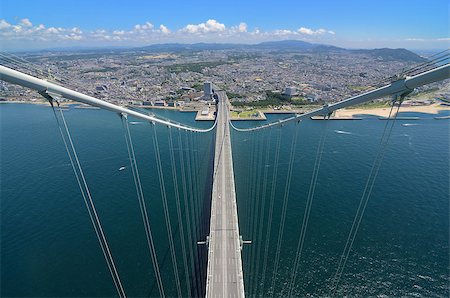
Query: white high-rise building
x=208, y=89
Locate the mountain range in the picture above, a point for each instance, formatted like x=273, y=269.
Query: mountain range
x=288, y=46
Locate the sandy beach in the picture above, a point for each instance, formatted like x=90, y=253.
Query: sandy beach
x=384, y=112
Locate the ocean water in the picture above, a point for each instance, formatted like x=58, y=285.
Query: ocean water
x=49, y=248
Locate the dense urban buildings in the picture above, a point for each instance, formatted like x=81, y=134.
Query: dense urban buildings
x=177, y=76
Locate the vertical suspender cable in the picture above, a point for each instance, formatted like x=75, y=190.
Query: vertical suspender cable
x=192, y=210
x=256, y=215
x=364, y=198
x=311, y=192
x=199, y=201
x=178, y=205
x=142, y=205
x=166, y=210
x=271, y=204
x=81, y=180
x=187, y=214
x=284, y=209
x=258, y=239
x=194, y=205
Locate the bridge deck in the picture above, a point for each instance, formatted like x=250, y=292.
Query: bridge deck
x=225, y=277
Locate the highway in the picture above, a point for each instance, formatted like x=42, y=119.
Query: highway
x=224, y=273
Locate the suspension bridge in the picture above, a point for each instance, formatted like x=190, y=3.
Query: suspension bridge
x=224, y=271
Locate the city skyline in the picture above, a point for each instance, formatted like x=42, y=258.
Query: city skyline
x=47, y=24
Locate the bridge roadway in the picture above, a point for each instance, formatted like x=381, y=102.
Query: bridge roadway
x=224, y=273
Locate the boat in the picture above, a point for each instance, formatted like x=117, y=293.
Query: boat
x=122, y=168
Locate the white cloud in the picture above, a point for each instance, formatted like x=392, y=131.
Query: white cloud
x=304, y=30
x=145, y=27
x=283, y=32
x=52, y=30
x=164, y=29
x=209, y=27
x=308, y=31
x=76, y=30
x=17, y=28
x=242, y=27
x=73, y=36
x=40, y=27
x=25, y=23
x=4, y=24
x=24, y=34
x=119, y=32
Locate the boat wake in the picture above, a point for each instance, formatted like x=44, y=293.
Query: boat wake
x=343, y=132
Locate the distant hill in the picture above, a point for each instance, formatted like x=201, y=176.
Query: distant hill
x=283, y=45
x=288, y=45
x=392, y=54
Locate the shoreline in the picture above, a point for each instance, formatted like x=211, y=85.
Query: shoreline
x=342, y=114
x=432, y=109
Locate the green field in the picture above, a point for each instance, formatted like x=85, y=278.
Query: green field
x=244, y=114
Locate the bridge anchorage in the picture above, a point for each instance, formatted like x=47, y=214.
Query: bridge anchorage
x=225, y=276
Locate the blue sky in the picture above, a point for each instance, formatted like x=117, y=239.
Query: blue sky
x=348, y=23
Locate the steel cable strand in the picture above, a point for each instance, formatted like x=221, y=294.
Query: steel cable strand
x=262, y=212
x=256, y=215
x=367, y=198
x=192, y=211
x=284, y=210
x=271, y=205
x=199, y=201
x=166, y=210
x=89, y=203
x=32, y=68
x=193, y=184
x=142, y=205
x=246, y=197
x=195, y=208
x=25, y=64
x=429, y=67
x=307, y=212
x=178, y=206
x=252, y=199
x=252, y=208
x=423, y=65
x=249, y=200
x=187, y=213
x=86, y=202
x=359, y=212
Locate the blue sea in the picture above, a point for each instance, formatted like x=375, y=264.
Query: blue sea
x=49, y=247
